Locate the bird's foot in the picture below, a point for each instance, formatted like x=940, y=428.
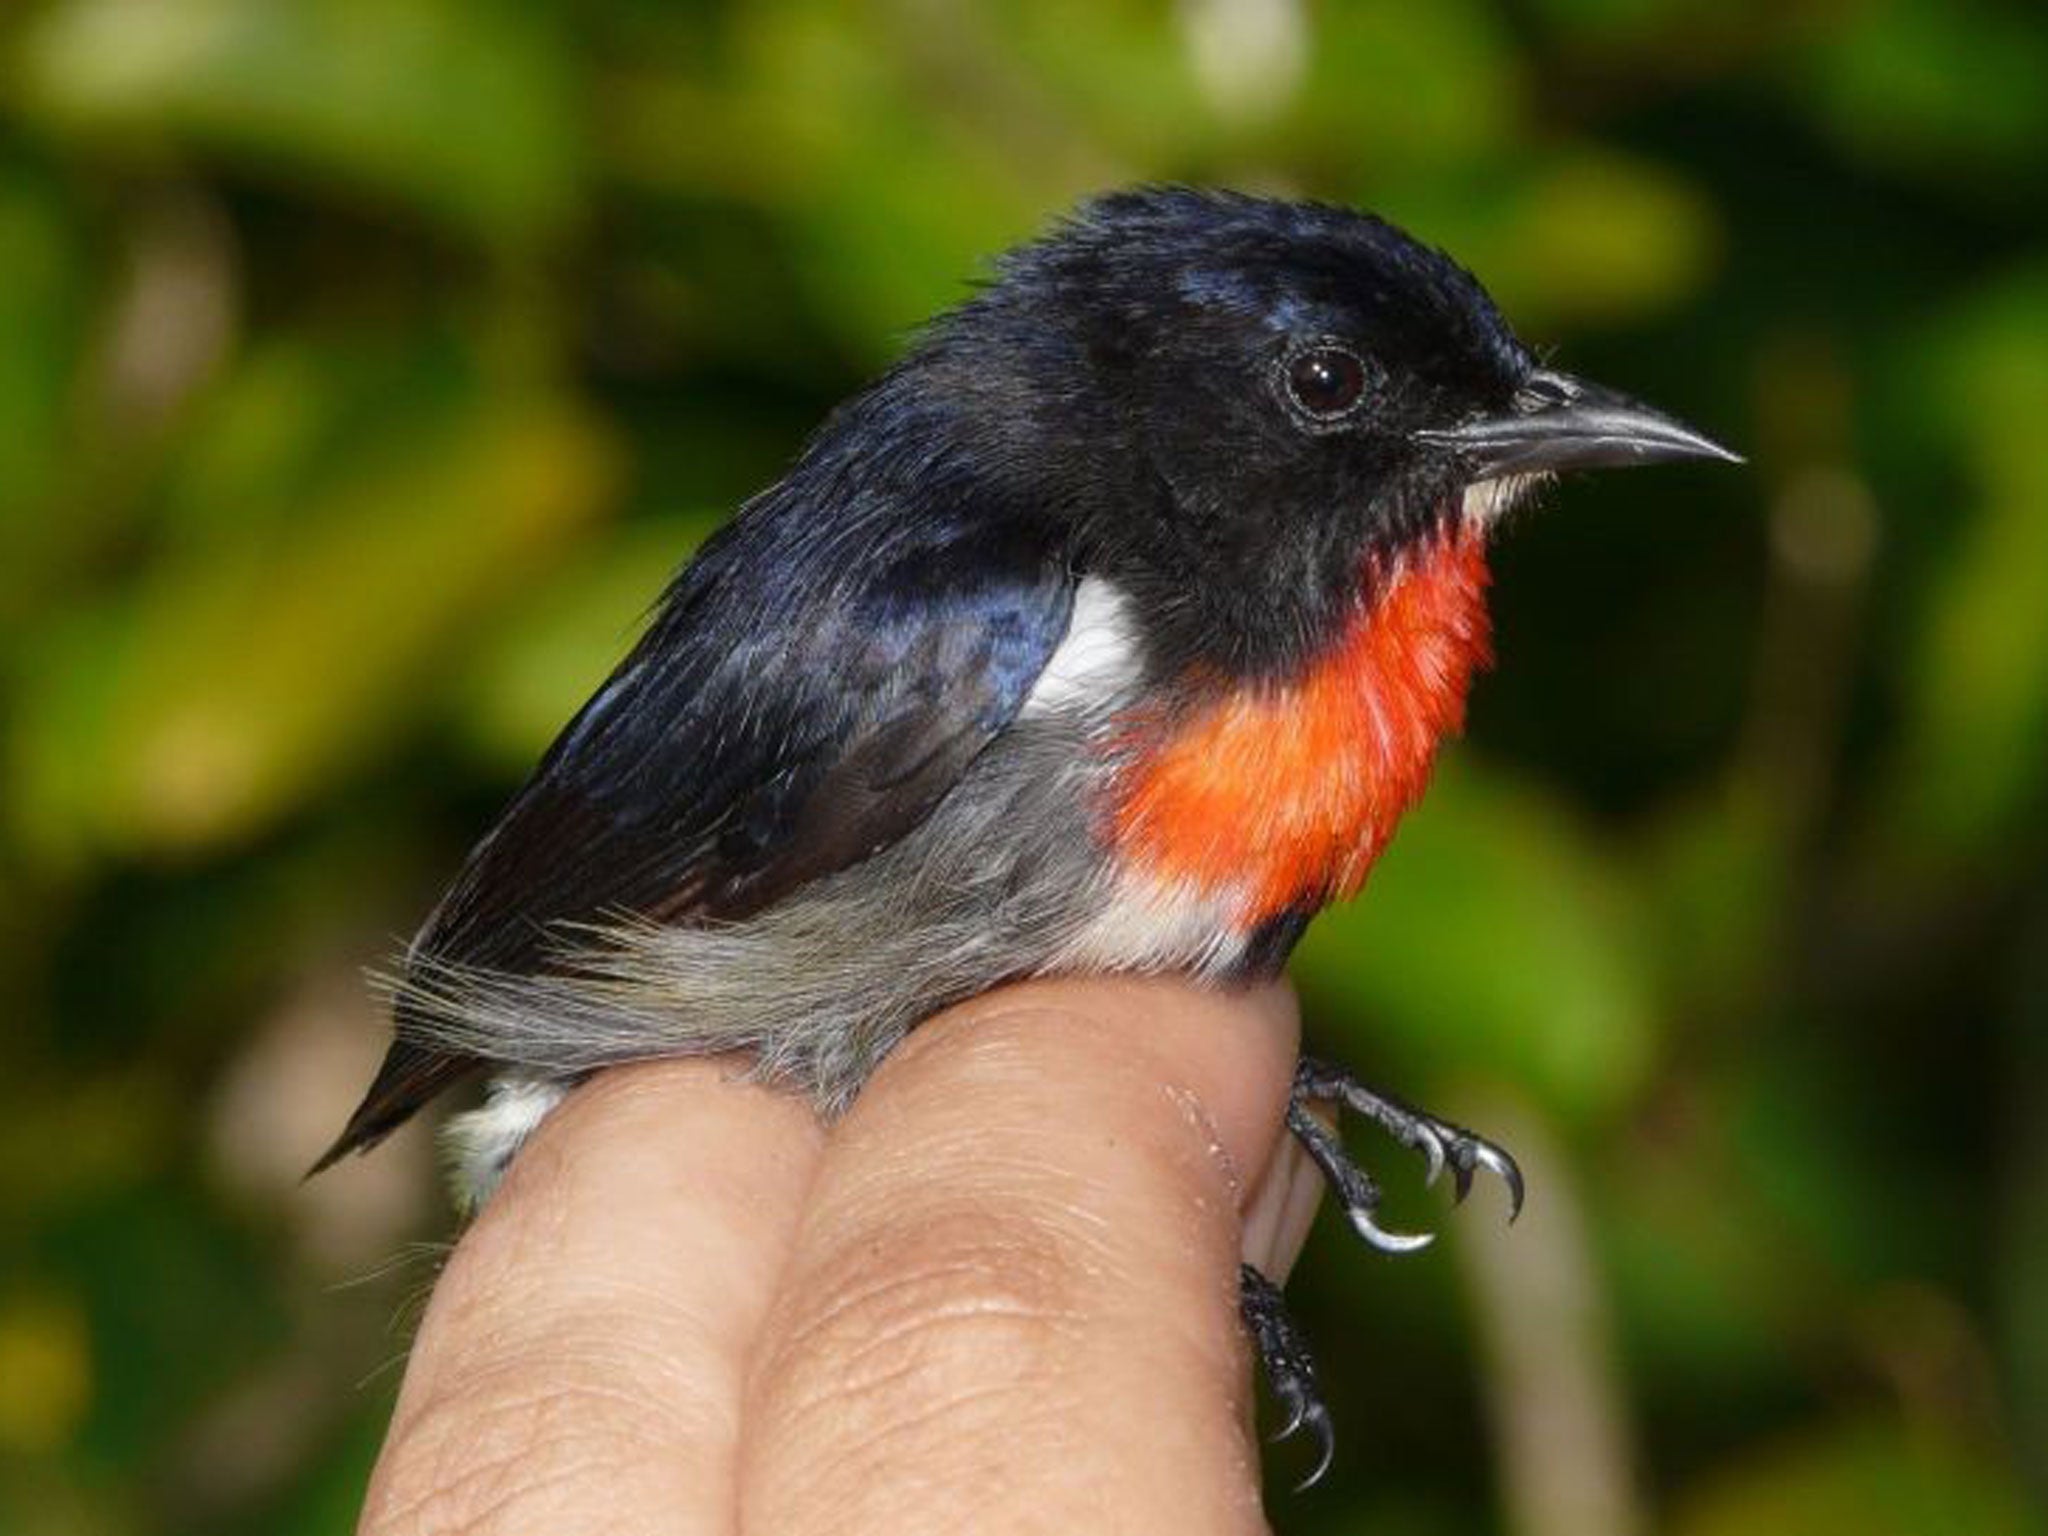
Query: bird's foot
x=1283, y=1353
x=1289, y=1369
x=1441, y=1143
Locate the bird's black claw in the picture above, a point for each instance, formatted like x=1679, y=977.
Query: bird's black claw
x=1289, y=1369
x=1297, y=1415
x=1468, y=1152
x=1352, y=1185
x=1386, y=1241
x=1442, y=1144
x=1507, y=1170
x=1318, y=1422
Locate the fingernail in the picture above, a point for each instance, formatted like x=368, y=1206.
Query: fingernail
x=1281, y=1210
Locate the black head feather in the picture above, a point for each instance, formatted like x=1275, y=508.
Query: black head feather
x=1141, y=364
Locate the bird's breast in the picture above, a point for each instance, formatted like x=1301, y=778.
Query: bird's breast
x=1280, y=796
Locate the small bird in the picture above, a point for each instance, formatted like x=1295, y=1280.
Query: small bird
x=1111, y=630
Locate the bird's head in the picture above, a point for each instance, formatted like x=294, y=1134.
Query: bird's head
x=1249, y=401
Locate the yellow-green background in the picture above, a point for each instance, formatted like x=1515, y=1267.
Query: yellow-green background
x=364, y=365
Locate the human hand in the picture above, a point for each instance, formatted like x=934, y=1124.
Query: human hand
x=999, y=1295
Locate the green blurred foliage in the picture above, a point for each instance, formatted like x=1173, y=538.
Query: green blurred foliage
x=368, y=363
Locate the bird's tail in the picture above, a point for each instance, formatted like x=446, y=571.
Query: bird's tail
x=410, y=1076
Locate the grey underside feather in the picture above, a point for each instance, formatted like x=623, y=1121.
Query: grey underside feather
x=1005, y=879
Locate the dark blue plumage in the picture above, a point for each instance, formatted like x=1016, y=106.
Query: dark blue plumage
x=812, y=683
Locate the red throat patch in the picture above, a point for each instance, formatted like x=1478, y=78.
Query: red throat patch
x=1286, y=794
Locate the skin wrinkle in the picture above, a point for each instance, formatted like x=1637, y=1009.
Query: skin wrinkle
x=515, y=1439
x=972, y=1344
x=604, y=1365
x=1065, y=1208
x=596, y=1309
x=525, y=1445
x=479, y=1470
x=995, y=1426
x=1018, y=1176
x=928, y=1300
x=546, y=1212
x=980, y=1430
x=1066, y=1200
x=455, y=1461
x=523, y=1333
x=914, y=1309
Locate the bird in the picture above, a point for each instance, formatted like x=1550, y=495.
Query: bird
x=1113, y=628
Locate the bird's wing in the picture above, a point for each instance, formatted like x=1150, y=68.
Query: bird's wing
x=792, y=710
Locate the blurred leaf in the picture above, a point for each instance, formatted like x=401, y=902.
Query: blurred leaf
x=1869, y=1480
x=1666, y=36
x=1701, y=1283
x=1597, y=236
x=1952, y=89
x=881, y=262
x=156, y=1270
x=1393, y=88
x=1788, y=1146
x=247, y=676
x=44, y=274
x=1719, y=877
x=51, y=1498
x=1582, y=235
x=1609, y=18
x=1106, y=77
x=330, y=1500
x=66, y=1145
x=1976, y=736
x=550, y=655
x=461, y=107
x=2019, y=1265
x=1494, y=939
x=303, y=411
x=46, y=1376
x=818, y=93
x=904, y=199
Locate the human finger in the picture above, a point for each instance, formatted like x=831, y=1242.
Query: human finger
x=585, y=1348
x=1010, y=1303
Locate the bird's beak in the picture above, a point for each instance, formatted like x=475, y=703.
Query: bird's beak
x=1559, y=422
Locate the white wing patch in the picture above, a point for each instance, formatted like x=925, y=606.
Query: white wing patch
x=1096, y=662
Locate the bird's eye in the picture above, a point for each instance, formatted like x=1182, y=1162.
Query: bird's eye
x=1326, y=381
